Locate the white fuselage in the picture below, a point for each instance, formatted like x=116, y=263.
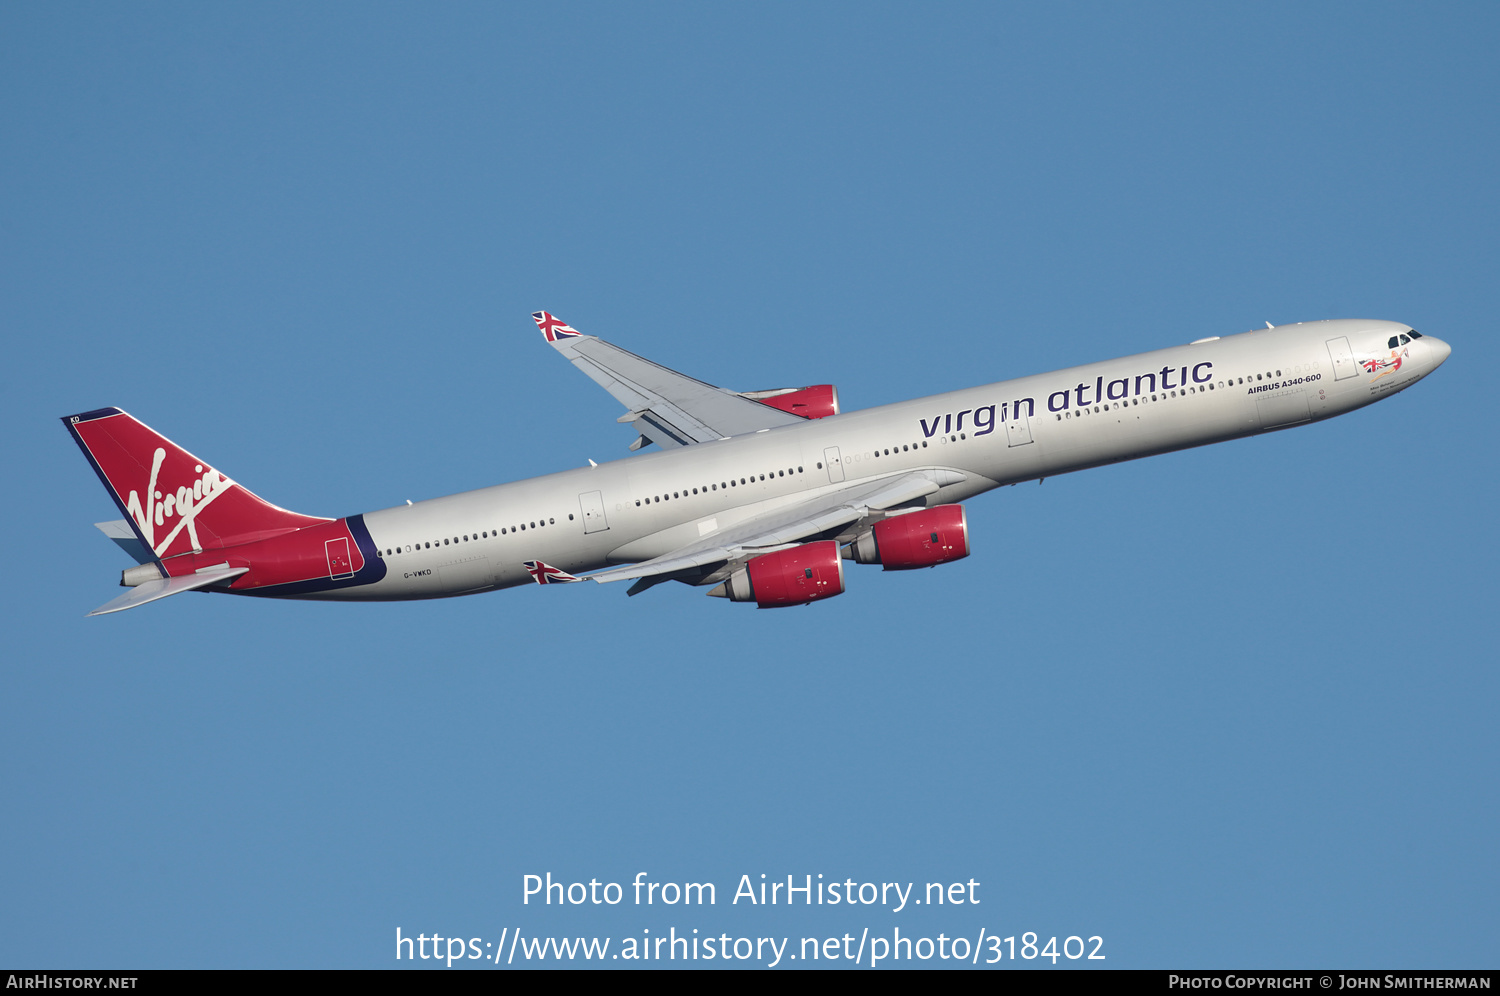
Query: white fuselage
x=649, y=504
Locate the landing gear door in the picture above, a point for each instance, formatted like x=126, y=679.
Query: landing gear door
x=1342, y=357
x=835, y=464
x=591, y=503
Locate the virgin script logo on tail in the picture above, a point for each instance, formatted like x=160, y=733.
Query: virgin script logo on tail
x=184, y=504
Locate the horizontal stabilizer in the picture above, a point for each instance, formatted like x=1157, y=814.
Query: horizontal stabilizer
x=119, y=530
x=152, y=590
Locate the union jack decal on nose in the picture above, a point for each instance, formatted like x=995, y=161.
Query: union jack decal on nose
x=546, y=574
x=553, y=327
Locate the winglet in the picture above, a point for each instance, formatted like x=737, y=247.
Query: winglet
x=546, y=574
x=552, y=327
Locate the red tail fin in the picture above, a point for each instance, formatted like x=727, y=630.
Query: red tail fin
x=175, y=501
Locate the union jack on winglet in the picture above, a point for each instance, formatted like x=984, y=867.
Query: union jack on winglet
x=553, y=327
x=546, y=574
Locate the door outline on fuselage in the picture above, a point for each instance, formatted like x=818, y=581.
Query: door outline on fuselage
x=1018, y=431
x=835, y=464
x=337, y=551
x=591, y=504
x=1342, y=358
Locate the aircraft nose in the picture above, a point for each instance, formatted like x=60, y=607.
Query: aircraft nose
x=1439, y=350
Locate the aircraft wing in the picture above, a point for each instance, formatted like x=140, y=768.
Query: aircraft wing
x=789, y=525
x=666, y=407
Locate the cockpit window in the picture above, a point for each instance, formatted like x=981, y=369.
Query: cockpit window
x=1392, y=343
x=1414, y=333
x=1404, y=340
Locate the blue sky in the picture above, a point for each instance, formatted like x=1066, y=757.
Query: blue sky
x=1229, y=707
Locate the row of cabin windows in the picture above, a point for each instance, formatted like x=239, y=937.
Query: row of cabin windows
x=721, y=486
x=898, y=450
x=1194, y=389
x=725, y=485
x=894, y=450
x=486, y=534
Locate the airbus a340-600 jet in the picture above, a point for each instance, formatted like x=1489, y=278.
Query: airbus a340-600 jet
x=758, y=496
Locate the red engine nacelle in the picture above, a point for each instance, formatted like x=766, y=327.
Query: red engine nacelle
x=796, y=576
x=918, y=539
x=818, y=401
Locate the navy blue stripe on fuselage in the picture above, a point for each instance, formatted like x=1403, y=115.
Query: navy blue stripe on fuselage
x=374, y=569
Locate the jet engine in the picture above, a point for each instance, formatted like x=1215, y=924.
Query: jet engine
x=917, y=539
x=818, y=401
x=794, y=576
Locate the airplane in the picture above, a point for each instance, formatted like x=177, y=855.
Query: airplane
x=759, y=496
